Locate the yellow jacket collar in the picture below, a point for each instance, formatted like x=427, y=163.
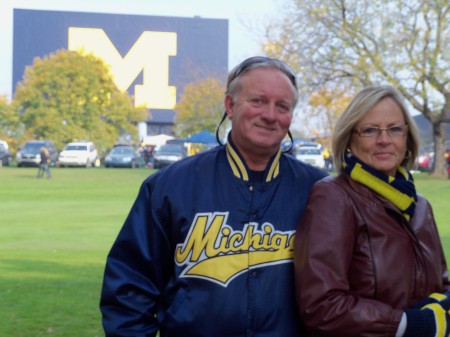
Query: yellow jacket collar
x=240, y=169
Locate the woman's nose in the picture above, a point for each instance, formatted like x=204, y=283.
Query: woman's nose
x=384, y=136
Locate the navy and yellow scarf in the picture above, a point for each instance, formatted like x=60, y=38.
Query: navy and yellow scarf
x=399, y=190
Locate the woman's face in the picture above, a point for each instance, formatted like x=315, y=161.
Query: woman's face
x=383, y=151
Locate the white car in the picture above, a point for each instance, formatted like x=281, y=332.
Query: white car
x=82, y=153
x=311, y=155
x=5, y=144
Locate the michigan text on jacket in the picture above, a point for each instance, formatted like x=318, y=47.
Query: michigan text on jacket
x=216, y=252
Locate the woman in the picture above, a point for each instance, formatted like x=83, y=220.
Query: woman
x=367, y=251
x=43, y=165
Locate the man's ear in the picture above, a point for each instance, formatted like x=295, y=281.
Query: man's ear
x=229, y=105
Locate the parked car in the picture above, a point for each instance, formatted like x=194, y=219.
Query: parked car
x=168, y=154
x=298, y=142
x=82, y=153
x=29, y=155
x=123, y=156
x=311, y=155
x=425, y=161
x=5, y=155
x=5, y=144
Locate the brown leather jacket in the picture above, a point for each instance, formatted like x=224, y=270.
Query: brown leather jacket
x=359, y=262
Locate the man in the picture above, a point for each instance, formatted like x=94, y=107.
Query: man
x=207, y=249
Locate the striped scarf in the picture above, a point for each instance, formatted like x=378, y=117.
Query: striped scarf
x=400, y=190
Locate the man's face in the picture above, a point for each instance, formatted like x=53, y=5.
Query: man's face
x=261, y=111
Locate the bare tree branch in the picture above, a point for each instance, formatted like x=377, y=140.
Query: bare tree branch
x=360, y=43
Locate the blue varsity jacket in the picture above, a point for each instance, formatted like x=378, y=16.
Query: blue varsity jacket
x=207, y=251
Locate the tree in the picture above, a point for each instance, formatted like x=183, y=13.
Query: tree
x=67, y=96
x=323, y=108
x=200, y=107
x=359, y=43
x=11, y=130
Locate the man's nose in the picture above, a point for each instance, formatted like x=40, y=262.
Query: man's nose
x=270, y=112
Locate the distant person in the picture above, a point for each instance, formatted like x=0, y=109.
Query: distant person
x=207, y=248
x=328, y=159
x=368, y=256
x=44, y=163
x=448, y=164
x=148, y=156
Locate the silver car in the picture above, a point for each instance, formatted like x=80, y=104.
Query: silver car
x=168, y=154
x=29, y=155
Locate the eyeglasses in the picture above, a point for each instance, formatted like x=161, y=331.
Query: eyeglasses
x=246, y=64
x=373, y=131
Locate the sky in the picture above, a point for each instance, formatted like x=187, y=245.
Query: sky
x=241, y=14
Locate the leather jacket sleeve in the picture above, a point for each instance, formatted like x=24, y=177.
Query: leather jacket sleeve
x=324, y=251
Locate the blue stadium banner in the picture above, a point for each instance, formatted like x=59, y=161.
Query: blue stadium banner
x=152, y=57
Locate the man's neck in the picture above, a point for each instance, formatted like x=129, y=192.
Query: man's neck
x=255, y=158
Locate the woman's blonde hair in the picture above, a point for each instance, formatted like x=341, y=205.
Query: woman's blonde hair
x=364, y=101
x=44, y=150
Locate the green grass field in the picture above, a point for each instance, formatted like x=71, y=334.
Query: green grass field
x=55, y=235
x=54, y=238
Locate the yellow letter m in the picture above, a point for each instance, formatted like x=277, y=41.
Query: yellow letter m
x=150, y=55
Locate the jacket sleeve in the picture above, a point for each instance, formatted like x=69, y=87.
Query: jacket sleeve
x=136, y=271
x=324, y=247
